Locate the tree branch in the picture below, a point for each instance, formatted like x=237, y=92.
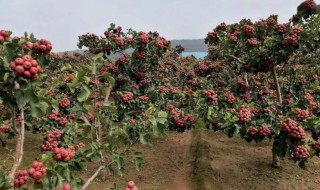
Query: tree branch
x=237, y=59
x=19, y=149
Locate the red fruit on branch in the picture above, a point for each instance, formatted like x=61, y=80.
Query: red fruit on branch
x=66, y=186
x=300, y=152
x=25, y=67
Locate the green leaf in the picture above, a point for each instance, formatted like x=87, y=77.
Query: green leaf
x=137, y=156
x=84, y=95
x=109, y=78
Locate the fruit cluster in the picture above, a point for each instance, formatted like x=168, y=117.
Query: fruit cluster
x=52, y=139
x=37, y=171
x=316, y=146
x=300, y=152
x=64, y=102
x=161, y=42
x=127, y=97
x=4, y=128
x=143, y=37
x=290, y=126
x=64, y=154
x=141, y=54
x=119, y=41
x=292, y=38
x=312, y=104
x=131, y=186
x=281, y=28
x=252, y=41
x=301, y=114
x=261, y=132
x=21, y=178
x=244, y=114
x=43, y=46
x=309, y=6
x=26, y=67
x=3, y=35
x=212, y=96
x=231, y=99
x=248, y=30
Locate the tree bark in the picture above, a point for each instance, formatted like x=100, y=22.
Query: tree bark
x=85, y=186
x=19, y=149
x=276, y=82
x=275, y=157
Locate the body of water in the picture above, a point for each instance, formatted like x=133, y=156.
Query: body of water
x=199, y=55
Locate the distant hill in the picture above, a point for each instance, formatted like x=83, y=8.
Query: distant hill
x=191, y=45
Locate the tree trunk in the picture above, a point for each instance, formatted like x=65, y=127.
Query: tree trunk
x=276, y=82
x=275, y=157
x=19, y=149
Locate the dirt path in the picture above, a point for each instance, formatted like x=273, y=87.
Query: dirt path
x=201, y=160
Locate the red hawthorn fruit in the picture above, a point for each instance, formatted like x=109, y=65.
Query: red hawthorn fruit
x=27, y=65
x=300, y=152
x=19, y=61
x=37, y=175
x=19, y=69
x=4, y=33
x=131, y=184
x=66, y=186
x=27, y=58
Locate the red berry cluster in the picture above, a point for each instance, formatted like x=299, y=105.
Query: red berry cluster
x=292, y=39
x=309, y=5
x=212, y=35
x=129, y=40
x=119, y=41
x=141, y=54
x=231, y=99
x=131, y=186
x=64, y=102
x=62, y=121
x=202, y=66
x=312, y=105
x=212, y=96
x=301, y=114
x=252, y=41
x=26, y=67
x=51, y=140
x=281, y=28
x=144, y=98
x=231, y=110
x=127, y=97
x=4, y=128
x=248, y=30
x=300, y=152
x=43, y=46
x=121, y=60
x=161, y=42
x=316, y=146
x=290, y=126
x=271, y=21
x=21, y=178
x=244, y=114
x=162, y=89
x=222, y=26
x=233, y=37
x=287, y=99
x=143, y=37
x=3, y=35
x=37, y=171
x=261, y=132
x=246, y=97
x=64, y=154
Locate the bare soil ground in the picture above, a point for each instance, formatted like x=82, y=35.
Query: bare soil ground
x=200, y=160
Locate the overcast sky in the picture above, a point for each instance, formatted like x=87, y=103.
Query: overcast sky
x=62, y=21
